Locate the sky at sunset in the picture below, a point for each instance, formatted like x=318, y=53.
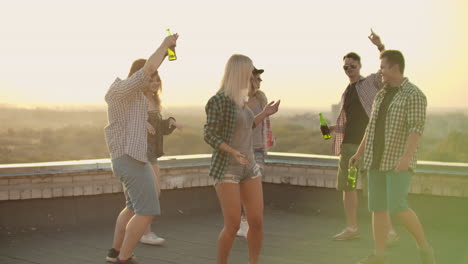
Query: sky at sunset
x=69, y=52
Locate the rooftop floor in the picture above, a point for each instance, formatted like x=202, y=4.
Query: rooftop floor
x=291, y=237
x=65, y=212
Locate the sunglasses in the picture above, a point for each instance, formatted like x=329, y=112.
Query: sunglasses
x=346, y=67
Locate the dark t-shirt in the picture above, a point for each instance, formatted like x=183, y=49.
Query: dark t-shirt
x=379, y=138
x=162, y=128
x=356, y=116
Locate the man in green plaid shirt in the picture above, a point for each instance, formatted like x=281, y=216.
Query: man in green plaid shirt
x=389, y=149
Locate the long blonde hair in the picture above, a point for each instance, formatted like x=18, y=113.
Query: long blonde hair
x=136, y=66
x=236, y=80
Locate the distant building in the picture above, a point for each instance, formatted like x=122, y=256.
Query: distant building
x=335, y=111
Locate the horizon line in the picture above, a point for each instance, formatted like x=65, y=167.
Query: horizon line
x=44, y=106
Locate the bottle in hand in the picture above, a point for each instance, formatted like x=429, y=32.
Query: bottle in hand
x=352, y=177
x=324, y=127
x=171, y=53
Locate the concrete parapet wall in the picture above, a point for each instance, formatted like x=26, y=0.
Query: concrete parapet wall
x=94, y=177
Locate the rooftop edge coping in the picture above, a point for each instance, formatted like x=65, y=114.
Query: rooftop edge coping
x=196, y=160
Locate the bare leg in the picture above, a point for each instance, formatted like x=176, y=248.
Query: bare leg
x=133, y=232
x=155, y=168
x=229, y=199
x=148, y=229
x=411, y=221
x=252, y=198
x=156, y=174
x=390, y=224
x=380, y=225
x=350, y=203
x=120, y=225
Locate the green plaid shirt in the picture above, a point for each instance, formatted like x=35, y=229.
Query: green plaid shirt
x=220, y=123
x=406, y=114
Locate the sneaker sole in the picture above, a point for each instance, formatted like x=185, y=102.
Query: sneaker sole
x=348, y=238
x=153, y=243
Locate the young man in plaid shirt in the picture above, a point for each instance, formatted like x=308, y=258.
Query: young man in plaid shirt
x=389, y=149
x=356, y=107
x=126, y=137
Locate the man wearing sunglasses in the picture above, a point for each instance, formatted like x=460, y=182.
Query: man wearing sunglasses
x=355, y=108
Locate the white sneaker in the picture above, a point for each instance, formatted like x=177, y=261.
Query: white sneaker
x=392, y=238
x=152, y=239
x=347, y=234
x=243, y=228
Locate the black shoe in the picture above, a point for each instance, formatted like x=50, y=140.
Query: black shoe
x=112, y=255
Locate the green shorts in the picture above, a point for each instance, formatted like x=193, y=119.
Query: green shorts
x=389, y=190
x=347, y=151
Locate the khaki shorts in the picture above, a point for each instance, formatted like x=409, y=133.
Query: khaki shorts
x=347, y=151
x=138, y=184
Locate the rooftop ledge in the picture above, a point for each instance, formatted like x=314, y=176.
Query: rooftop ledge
x=26, y=169
x=94, y=177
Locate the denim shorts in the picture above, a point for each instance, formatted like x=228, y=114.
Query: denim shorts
x=236, y=173
x=259, y=155
x=389, y=190
x=138, y=184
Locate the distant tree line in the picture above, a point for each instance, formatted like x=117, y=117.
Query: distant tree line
x=39, y=136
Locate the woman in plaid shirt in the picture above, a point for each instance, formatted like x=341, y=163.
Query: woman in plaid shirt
x=228, y=130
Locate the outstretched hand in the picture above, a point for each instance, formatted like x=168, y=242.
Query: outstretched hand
x=271, y=108
x=375, y=39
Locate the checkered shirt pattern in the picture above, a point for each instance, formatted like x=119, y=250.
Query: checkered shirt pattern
x=220, y=123
x=367, y=88
x=127, y=115
x=406, y=114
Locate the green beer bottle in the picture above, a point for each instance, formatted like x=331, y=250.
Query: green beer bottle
x=352, y=177
x=324, y=127
x=171, y=53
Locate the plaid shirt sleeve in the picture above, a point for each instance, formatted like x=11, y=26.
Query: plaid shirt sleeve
x=121, y=89
x=416, y=112
x=213, y=116
x=376, y=79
